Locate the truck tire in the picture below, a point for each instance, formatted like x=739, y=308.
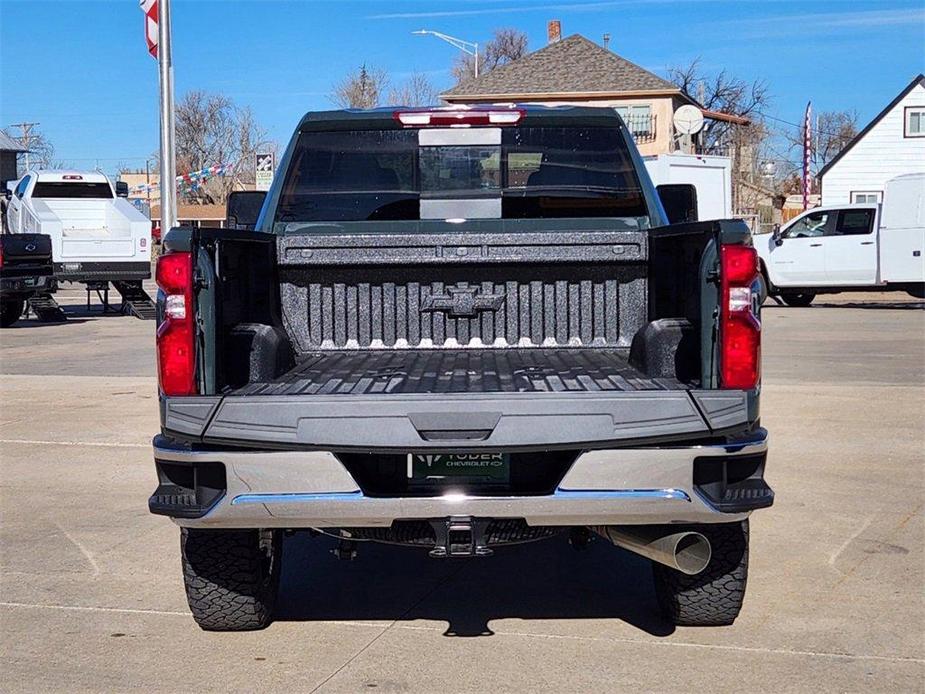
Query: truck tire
x=762, y=289
x=804, y=299
x=10, y=312
x=231, y=577
x=714, y=596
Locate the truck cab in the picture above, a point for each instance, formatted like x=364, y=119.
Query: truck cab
x=858, y=247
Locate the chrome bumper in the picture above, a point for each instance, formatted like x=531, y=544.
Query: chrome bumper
x=293, y=489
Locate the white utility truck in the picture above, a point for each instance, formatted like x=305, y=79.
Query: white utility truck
x=861, y=247
x=710, y=176
x=97, y=237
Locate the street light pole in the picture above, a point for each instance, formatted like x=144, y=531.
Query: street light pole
x=467, y=47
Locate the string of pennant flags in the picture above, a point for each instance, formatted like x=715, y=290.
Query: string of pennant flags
x=191, y=179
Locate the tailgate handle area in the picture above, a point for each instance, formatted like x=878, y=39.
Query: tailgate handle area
x=454, y=426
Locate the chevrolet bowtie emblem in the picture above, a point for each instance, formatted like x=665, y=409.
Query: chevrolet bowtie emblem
x=462, y=302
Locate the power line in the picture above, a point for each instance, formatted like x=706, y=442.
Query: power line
x=799, y=126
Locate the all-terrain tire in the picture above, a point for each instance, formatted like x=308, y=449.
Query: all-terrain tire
x=714, y=596
x=10, y=312
x=231, y=577
x=804, y=299
x=763, y=292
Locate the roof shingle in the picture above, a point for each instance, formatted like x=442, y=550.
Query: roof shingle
x=572, y=65
x=8, y=144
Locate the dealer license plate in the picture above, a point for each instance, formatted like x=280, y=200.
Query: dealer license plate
x=459, y=467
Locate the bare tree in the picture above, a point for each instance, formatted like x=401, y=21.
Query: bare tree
x=507, y=45
x=211, y=129
x=361, y=89
x=724, y=93
x=831, y=133
x=745, y=144
x=417, y=91
x=41, y=153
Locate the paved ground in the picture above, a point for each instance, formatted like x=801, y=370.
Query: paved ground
x=91, y=597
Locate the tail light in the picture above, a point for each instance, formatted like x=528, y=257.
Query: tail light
x=458, y=118
x=740, y=326
x=176, y=353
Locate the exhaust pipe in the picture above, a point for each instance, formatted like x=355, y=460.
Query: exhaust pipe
x=685, y=551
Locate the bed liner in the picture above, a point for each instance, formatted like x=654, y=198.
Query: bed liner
x=461, y=371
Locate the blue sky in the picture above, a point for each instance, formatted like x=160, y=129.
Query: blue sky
x=80, y=67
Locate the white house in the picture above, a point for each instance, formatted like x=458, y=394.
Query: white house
x=892, y=144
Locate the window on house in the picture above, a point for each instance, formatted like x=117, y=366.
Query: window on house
x=915, y=121
x=867, y=197
x=638, y=119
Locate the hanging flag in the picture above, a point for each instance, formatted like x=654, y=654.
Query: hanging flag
x=149, y=7
x=807, y=153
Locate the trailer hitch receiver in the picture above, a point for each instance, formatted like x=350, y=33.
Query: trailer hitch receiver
x=460, y=536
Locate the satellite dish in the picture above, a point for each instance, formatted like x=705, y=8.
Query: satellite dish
x=688, y=120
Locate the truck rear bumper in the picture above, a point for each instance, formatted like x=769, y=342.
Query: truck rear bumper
x=99, y=271
x=26, y=286
x=313, y=489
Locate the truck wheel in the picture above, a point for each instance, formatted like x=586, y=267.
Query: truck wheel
x=231, y=577
x=917, y=292
x=10, y=312
x=714, y=596
x=804, y=299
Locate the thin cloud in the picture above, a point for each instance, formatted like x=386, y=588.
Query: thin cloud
x=827, y=22
x=553, y=7
x=511, y=9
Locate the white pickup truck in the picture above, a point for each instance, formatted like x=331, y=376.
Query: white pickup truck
x=96, y=236
x=860, y=247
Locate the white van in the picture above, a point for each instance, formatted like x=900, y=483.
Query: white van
x=861, y=247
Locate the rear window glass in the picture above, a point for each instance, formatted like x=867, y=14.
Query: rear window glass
x=535, y=172
x=71, y=189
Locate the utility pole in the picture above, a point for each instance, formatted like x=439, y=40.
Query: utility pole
x=168, y=170
x=26, y=138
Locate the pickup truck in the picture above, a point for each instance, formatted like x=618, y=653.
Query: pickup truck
x=457, y=329
x=859, y=247
x=97, y=237
x=25, y=273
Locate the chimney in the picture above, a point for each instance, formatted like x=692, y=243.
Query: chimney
x=607, y=40
x=553, y=31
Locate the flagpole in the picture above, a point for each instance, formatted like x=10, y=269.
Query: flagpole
x=168, y=169
x=807, y=153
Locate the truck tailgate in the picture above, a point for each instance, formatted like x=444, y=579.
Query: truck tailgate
x=455, y=421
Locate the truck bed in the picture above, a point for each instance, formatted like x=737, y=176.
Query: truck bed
x=429, y=339
x=461, y=371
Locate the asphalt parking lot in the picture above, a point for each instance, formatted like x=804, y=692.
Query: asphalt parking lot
x=91, y=596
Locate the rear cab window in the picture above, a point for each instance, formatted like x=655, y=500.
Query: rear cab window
x=71, y=189
x=521, y=172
